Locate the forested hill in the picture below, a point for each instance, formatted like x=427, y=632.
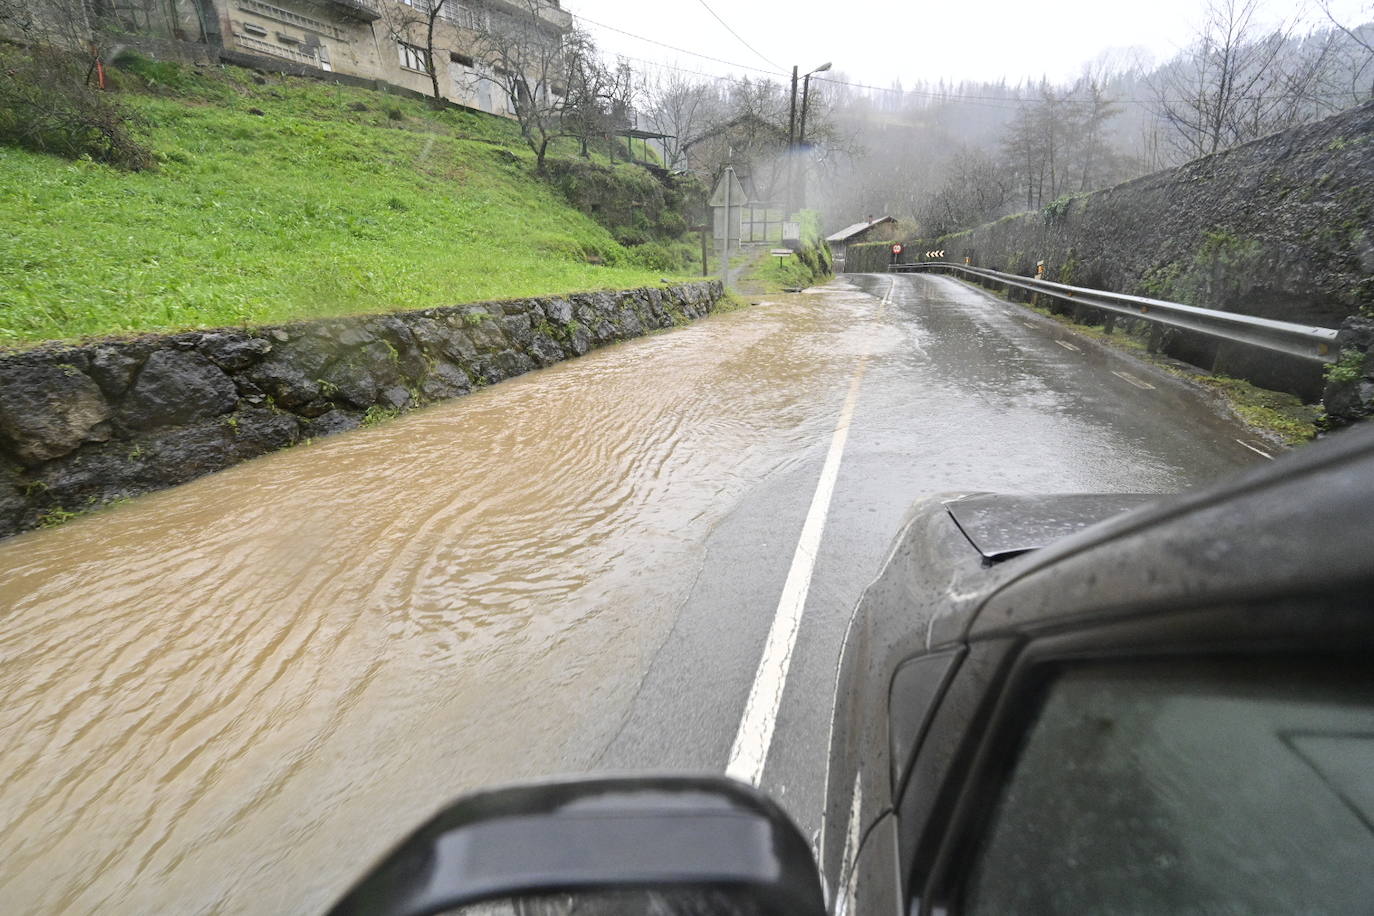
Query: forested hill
x=945, y=157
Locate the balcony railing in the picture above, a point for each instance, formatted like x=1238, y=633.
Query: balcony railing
x=549, y=12
x=358, y=10
x=276, y=50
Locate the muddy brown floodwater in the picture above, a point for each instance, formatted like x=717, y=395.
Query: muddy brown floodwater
x=232, y=696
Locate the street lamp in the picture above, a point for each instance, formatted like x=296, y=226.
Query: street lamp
x=801, y=134
x=806, y=92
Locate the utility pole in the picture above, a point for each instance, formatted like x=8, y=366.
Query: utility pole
x=792, y=119
x=791, y=144
x=725, y=258
x=801, y=134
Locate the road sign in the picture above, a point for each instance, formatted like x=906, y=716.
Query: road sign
x=729, y=192
x=897, y=249
x=727, y=211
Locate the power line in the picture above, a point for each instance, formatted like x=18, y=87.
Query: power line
x=994, y=101
x=663, y=66
x=779, y=73
x=782, y=74
x=737, y=35
x=662, y=44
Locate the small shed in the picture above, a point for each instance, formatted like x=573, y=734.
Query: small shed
x=882, y=229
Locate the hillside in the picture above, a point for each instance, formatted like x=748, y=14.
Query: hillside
x=280, y=197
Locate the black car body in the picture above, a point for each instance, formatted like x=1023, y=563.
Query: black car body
x=1251, y=599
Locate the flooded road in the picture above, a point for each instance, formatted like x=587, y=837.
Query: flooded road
x=230, y=697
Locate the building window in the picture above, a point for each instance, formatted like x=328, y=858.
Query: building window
x=254, y=29
x=461, y=59
x=463, y=15
x=413, y=58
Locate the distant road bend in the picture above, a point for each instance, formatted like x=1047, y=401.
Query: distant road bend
x=233, y=696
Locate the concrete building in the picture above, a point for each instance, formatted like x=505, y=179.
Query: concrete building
x=378, y=40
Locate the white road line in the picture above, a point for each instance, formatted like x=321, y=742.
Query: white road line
x=1033, y=327
x=1068, y=346
x=1256, y=451
x=1127, y=377
x=755, y=734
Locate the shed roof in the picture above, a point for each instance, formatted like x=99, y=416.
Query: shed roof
x=849, y=232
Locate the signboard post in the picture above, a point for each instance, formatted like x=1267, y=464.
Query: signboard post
x=896, y=252
x=727, y=205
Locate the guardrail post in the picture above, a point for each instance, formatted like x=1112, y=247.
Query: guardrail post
x=1109, y=324
x=1156, y=337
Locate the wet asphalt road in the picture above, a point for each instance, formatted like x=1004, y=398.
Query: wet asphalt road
x=231, y=696
x=965, y=392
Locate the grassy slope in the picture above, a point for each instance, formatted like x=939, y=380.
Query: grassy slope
x=310, y=208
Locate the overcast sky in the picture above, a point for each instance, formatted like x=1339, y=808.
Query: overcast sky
x=873, y=41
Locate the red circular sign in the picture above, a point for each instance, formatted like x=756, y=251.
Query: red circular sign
x=896, y=249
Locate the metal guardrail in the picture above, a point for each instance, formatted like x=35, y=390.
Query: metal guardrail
x=1285, y=337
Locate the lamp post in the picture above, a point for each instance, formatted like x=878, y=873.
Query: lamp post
x=806, y=92
x=801, y=133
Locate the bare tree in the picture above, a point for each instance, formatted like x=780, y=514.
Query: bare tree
x=1095, y=109
x=411, y=23
x=975, y=190
x=681, y=109
x=534, y=65
x=1361, y=39
x=1234, y=84
x=50, y=90
x=598, y=101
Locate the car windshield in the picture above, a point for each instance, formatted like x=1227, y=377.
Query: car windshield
x=1177, y=788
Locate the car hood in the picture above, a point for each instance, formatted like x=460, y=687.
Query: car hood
x=1001, y=526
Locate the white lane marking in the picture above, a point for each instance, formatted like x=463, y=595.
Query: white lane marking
x=1127, y=377
x=755, y=734
x=1031, y=326
x=1256, y=451
x=1068, y=346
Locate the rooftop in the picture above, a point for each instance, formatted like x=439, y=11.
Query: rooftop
x=849, y=232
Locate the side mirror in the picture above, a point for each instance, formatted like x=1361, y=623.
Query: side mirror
x=661, y=836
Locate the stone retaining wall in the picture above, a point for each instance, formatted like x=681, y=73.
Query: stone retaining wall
x=1349, y=394
x=81, y=426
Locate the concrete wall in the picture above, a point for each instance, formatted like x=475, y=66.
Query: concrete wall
x=357, y=40
x=84, y=425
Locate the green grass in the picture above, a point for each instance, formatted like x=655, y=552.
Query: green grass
x=773, y=275
x=310, y=208
x=1284, y=415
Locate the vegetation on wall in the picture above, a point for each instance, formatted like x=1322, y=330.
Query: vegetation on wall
x=809, y=265
x=633, y=203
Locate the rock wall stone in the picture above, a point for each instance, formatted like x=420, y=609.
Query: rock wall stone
x=1349, y=394
x=81, y=426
